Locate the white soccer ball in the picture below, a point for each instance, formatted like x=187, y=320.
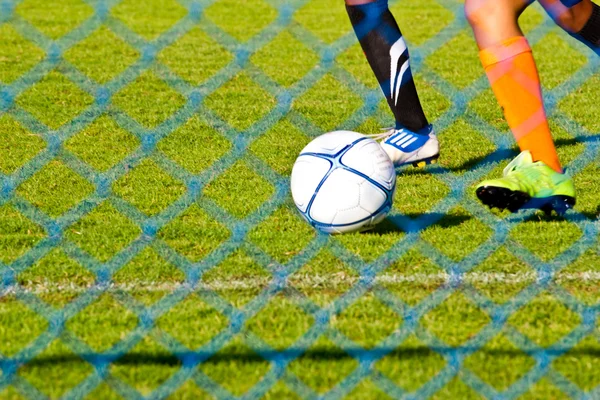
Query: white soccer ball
x=343, y=182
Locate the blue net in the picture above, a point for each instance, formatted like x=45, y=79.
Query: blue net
x=192, y=101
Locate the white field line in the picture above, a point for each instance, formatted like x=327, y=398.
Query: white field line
x=309, y=281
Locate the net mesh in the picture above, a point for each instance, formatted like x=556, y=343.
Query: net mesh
x=230, y=228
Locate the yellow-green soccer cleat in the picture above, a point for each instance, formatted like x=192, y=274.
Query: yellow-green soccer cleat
x=528, y=184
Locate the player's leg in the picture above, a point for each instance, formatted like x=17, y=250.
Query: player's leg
x=536, y=174
x=579, y=18
x=511, y=69
x=413, y=140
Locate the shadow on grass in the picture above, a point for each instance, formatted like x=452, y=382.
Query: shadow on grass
x=315, y=354
x=507, y=154
x=414, y=222
x=573, y=141
x=492, y=157
x=581, y=216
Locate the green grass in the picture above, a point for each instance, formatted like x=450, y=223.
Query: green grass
x=54, y=21
x=95, y=144
x=148, y=211
x=54, y=100
x=149, y=100
x=102, y=56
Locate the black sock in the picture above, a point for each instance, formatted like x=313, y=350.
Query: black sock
x=590, y=33
x=381, y=41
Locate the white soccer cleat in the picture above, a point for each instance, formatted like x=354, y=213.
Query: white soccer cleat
x=407, y=147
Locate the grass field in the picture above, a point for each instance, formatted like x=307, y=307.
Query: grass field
x=149, y=246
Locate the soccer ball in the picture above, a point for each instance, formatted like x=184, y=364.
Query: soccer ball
x=343, y=182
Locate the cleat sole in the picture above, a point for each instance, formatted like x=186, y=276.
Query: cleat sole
x=502, y=198
x=425, y=162
x=559, y=204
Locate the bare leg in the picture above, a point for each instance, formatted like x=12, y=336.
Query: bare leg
x=493, y=21
x=571, y=19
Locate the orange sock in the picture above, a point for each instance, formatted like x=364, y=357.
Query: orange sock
x=512, y=72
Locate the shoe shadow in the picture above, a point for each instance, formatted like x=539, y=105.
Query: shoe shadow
x=414, y=222
x=493, y=157
x=506, y=154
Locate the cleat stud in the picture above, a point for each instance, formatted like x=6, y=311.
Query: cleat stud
x=434, y=161
x=561, y=204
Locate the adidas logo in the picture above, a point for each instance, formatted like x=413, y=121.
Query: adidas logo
x=402, y=139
